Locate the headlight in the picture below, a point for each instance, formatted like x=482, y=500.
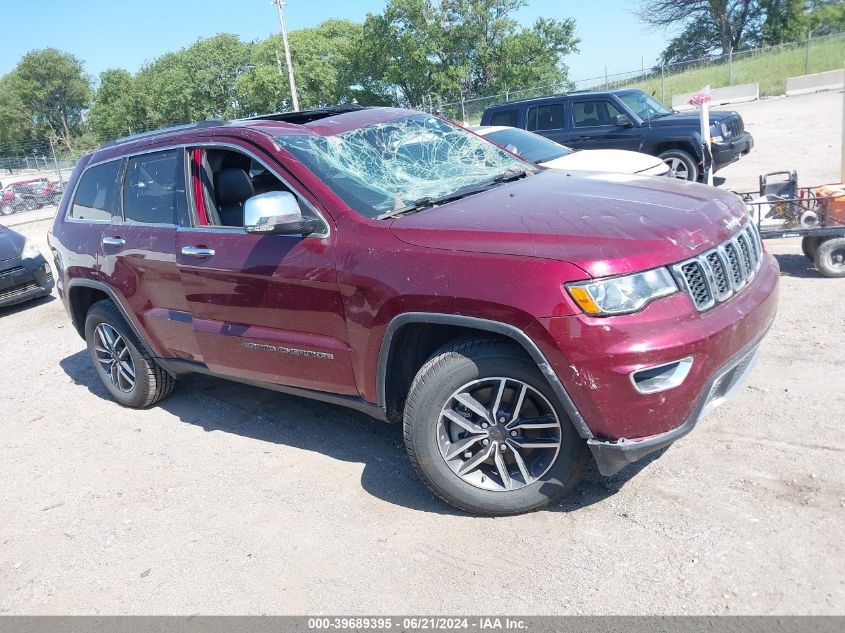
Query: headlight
x=622, y=295
x=30, y=251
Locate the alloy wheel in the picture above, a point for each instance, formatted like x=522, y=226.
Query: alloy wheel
x=498, y=434
x=114, y=357
x=677, y=168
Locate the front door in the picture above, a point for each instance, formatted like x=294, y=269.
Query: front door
x=264, y=307
x=593, y=126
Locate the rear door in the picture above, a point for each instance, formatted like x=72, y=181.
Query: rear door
x=138, y=251
x=593, y=125
x=266, y=308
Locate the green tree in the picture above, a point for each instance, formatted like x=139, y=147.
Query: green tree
x=324, y=63
x=16, y=124
x=727, y=22
x=50, y=92
x=783, y=21
x=417, y=48
x=195, y=83
x=826, y=17
x=117, y=109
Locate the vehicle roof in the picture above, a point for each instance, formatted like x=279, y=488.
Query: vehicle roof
x=564, y=95
x=326, y=121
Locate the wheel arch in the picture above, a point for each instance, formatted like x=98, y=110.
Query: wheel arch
x=684, y=145
x=83, y=293
x=392, y=376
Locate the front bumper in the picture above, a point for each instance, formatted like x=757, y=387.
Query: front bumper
x=24, y=279
x=611, y=457
x=594, y=358
x=726, y=153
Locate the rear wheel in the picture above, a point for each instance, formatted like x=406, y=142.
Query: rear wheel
x=681, y=165
x=30, y=204
x=484, y=431
x=809, y=246
x=830, y=257
x=125, y=367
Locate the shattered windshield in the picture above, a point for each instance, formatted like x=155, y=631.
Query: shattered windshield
x=397, y=165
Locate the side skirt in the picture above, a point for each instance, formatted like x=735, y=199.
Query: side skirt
x=179, y=367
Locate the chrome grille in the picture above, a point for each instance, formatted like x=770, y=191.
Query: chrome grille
x=733, y=264
x=718, y=274
x=736, y=126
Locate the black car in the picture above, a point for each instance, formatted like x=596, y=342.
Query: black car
x=24, y=273
x=628, y=119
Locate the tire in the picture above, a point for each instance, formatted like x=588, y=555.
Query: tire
x=482, y=363
x=830, y=257
x=681, y=164
x=7, y=209
x=151, y=383
x=809, y=245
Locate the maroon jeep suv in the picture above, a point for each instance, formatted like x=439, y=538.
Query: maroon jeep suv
x=517, y=321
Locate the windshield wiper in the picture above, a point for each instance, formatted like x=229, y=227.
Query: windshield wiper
x=422, y=203
x=511, y=175
x=430, y=201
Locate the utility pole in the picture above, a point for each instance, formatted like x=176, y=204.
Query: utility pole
x=280, y=7
x=56, y=162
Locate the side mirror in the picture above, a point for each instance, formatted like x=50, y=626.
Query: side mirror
x=277, y=213
x=623, y=120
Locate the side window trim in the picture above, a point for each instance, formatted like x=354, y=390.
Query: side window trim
x=69, y=208
x=607, y=104
x=297, y=191
x=124, y=172
x=559, y=104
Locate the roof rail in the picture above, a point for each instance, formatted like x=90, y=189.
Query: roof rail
x=164, y=130
x=301, y=117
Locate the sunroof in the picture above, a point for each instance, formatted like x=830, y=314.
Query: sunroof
x=306, y=116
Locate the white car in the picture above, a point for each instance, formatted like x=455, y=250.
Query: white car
x=546, y=153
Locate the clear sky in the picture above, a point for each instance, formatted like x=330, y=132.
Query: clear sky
x=118, y=33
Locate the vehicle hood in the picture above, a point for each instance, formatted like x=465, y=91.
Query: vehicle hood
x=11, y=243
x=615, y=160
x=690, y=119
x=606, y=224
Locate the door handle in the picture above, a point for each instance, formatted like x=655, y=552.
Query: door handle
x=114, y=241
x=581, y=138
x=198, y=252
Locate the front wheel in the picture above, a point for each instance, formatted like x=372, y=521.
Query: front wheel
x=830, y=257
x=681, y=165
x=484, y=431
x=7, y=209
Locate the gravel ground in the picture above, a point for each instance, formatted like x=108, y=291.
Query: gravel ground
x=229, y=499
x=801, y=133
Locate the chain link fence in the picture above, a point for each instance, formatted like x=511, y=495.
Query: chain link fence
x=34, y=160
x=769, y=66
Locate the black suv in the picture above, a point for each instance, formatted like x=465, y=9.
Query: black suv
x=628, y=119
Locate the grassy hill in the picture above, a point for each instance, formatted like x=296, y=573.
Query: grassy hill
x=770, y=69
